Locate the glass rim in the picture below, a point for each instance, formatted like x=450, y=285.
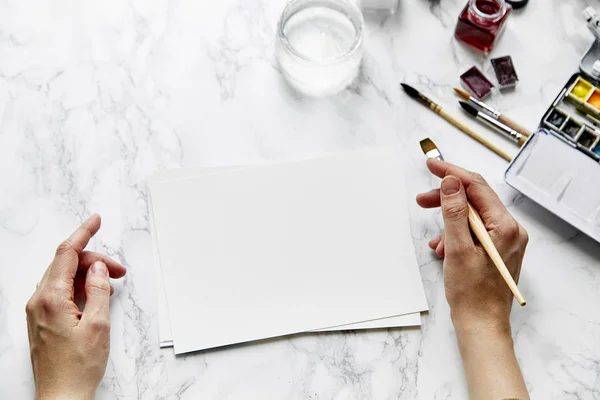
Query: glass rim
x=344, y=7
x=489, y=17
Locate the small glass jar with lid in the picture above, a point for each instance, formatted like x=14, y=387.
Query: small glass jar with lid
x=482, y=22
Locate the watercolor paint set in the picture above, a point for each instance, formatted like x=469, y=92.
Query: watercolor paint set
x=559, y=165
x=576, y=115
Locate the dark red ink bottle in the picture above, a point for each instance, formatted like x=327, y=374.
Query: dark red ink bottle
x=482, y=22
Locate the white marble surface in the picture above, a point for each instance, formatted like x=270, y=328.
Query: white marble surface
x=95, y=96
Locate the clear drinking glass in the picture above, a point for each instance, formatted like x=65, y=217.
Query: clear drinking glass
x=319, y=45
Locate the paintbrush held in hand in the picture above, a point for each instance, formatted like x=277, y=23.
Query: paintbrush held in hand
x=495, y=114
x=414, y=93
x=478, y=228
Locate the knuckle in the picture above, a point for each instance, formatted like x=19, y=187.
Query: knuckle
x=524, y=236
x=44, y=301
x=31, y=306
x=100, y=324
x=98, y=287
x=478, y=178
x=512, y=230
x=64, y=248
x=455, y=210
x=454, y=253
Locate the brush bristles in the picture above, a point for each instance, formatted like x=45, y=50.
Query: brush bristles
x=427, y=145
x=469, y=108
x=411, y=91
x=462, y=94
x=430, y=149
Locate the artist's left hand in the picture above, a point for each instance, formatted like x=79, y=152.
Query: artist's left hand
x=69, y=348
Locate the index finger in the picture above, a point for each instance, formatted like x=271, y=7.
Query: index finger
x=66, y=260
x=80, y=238
x=480, y=194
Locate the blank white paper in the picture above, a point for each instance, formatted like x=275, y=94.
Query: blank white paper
x=272, y=250
x=164, y=325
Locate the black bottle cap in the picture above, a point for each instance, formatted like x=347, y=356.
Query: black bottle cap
x=517, y=3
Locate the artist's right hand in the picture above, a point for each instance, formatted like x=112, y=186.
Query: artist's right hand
x=479, y=299
x=476, y=292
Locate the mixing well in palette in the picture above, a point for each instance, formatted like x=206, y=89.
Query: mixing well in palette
x=584, y=206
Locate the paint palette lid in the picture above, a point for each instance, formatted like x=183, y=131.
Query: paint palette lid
x=517, y=3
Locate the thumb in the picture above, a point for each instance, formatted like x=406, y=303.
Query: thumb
x=457, y=236
x=97, y=293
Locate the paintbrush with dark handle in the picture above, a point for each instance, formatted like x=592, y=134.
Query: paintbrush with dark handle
x=479, y=229
x=495, y=114
x=414, y=93
x=496, y=125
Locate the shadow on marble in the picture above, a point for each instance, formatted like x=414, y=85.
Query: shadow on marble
x=280, y=339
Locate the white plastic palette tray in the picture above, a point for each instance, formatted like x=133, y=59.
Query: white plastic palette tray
x=560, y=178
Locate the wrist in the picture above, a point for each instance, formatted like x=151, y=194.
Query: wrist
x=490, y=323
x=483, y=330
x=64, y=395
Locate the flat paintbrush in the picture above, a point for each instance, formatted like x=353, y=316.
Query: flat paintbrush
x=478, y=228
x=414, y=93
x=497, y=115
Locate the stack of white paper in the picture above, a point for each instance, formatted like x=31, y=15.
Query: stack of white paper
x=253, y=252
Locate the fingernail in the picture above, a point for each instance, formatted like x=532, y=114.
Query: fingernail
x=99, y=268
x=450, y=185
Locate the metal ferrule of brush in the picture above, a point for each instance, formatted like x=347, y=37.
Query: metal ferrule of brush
x=501, y=128
x=485, y=108
x=435, y=153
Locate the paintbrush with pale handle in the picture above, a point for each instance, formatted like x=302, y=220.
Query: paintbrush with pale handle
x=414, y=93
x=478, y=228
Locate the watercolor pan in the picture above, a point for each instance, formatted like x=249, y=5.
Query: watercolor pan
x=581, y=90
x=597, y=149
x=571, y=128
x=556, y=118
x=587, y=139
x=594, y=100
x=505, y=72
x=477, y=83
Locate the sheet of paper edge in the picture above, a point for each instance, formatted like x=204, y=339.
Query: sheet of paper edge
x=406, y=320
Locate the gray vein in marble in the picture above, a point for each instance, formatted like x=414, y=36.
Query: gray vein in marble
x=229, y=56
x=89, y=110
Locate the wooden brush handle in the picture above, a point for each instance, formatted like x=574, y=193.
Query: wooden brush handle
x=474, y=135
x=522, y=141
x=509, y=122
x=486, y=241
